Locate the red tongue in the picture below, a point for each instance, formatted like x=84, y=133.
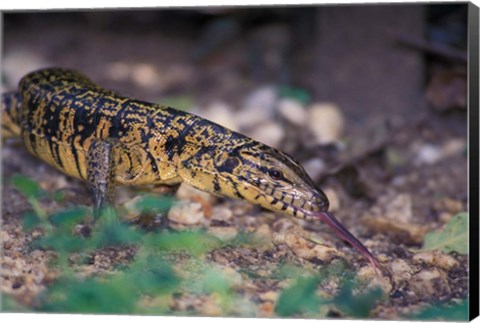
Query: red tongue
x=333, y=223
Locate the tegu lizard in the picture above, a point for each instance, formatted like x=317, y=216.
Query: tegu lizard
x=105, y=139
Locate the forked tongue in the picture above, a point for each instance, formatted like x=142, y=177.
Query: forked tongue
x=333, y=223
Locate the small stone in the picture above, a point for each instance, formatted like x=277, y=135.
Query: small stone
x=314, y=167
x=221, y=113
x=187, y=192
x=401, y=271
x=210, y=306
x=430, y=283
x=186, y=213
x=292, y=111
x=333, y=199
x=309, y=250
x=4, y=236
x=399, y=208
x=261, y=102
x=264, y=231
x=325, y=122
x=435, y=258
x=427, y=155
x=145, y=75
x=269, y=296
x=223, y=233
x=454, y=147
x=18, y=63
x=450, y=205
x=368, y=273
x=221, y=213
x=269, y=133
x=258, y=108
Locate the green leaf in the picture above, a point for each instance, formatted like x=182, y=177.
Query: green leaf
x=30, y=220
x=10, y=305
x=62, y=242
x=299, y=297
x=195, y=242
x=67, y=218
x=149, y=203
x=356, y=305
x=91, y=295
x=457, y=312
x=299, y=94
x=155, y=276
x=26, y=186
x=453, y=236
x=181, y=102
x=115, y=234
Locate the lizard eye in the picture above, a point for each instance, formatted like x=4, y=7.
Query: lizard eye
x=275, y=174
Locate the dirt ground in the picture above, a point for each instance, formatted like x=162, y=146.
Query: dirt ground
x=391, y=176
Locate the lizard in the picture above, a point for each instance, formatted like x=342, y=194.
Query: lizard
x=106, y=139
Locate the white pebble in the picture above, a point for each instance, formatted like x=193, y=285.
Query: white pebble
x=19, y=62
x=292, y=111
x=333, y=198
x=326, y=122
x=269, y=133
x=427, y=155
x=221, y=113
x=187, y=192
x=258, y=107
x=314, y=167
x=187, y=213
x=262, y=98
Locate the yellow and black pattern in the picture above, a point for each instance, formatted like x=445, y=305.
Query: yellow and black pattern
x=106, y=139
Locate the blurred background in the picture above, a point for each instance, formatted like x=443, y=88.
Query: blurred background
x=371, y=99
x=327, y=84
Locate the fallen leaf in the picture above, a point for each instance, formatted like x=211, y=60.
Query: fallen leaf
x=453, y=236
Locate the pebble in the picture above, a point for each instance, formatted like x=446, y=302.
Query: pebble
x=145, y=75
x=401, y=271
x=223, y=233
x=314, y=167
x=221, y=213
x=399, y=208
x=264, y=231
x=269, y=133
x=427, y=154
x=367, y=273
x=258, y=107
x=454, y=147
x=19, y=63
x=309, y=250
x=325, y=122
x=430, y=283
x=261, y=101
x=186, y=213
x=292, y=111
x=221, y=113
x=187, y=192
x=333, y=198
x=448, y=204
x=269, y=296
x=435, y=258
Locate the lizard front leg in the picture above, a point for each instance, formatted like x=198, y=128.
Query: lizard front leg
x=101, y=174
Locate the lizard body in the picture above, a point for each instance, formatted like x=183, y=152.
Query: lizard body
x=106, y=139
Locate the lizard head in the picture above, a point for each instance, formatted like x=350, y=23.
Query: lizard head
x=267, y=177
x=260, y=175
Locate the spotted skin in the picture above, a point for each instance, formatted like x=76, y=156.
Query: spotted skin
x=107, y=139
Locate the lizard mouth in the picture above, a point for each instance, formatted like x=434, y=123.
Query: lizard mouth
x=341, y=231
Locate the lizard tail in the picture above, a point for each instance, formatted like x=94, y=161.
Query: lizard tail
x=11, y=107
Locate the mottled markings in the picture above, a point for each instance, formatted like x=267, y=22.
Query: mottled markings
x=63, y=112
